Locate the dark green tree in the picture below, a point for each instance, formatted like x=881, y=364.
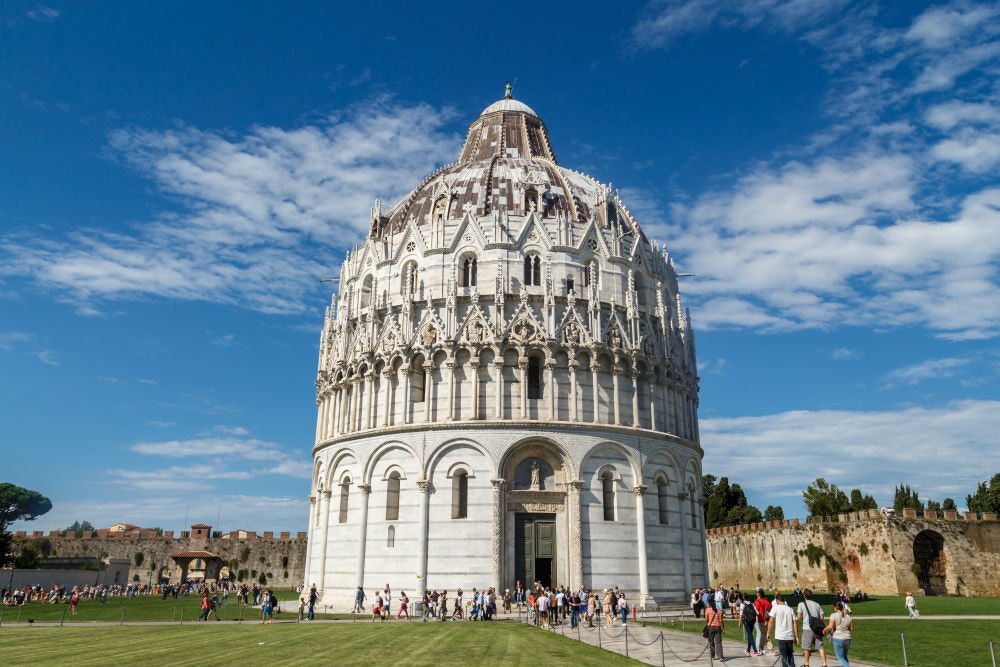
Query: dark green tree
x=727, y=504
x=17, y=504
x=933, y=505
x=861, y=502
x=79, y=527
x=949, y=504
x=906, y=498
x=986, y=498
x=774, y=513
x=824, y=499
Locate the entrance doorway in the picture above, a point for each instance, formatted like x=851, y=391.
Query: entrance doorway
x=535, y=549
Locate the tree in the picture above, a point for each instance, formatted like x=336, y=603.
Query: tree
x=949, y=504
x=986, y=498
x=861, y=502
x=933, y=505
x=906, y=498
x=774, y=513
x=18, y=504
x=79, y=527
x=824, y=499
x=726, y=504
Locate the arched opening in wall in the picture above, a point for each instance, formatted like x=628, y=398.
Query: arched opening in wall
x=408, y=278
x=530, y=199
x=460, y=495
x=345, y=489
x=487, y=379
x=366, y=291
x=929, y=563
x=532, y=270
x=640, y=288
x=535, y=376
x=661, y=500
x=470, y=271
x=692, y=490
x=440, y=209
x=390, y=538
x=418, y=379
x=392, y=497
x=608, y=494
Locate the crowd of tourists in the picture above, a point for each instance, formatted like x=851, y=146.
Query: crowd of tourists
x=772, y=627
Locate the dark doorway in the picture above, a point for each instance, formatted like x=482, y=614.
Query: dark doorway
x=535, y=549
x=929, y=562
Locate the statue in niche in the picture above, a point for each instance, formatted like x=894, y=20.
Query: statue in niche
x=390, y=341
x=523, y=330
x=572, y=333
x=476, y=332
x=535, y=482
x=430, y=335
x=616, y=339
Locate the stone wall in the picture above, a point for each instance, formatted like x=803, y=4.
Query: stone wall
x=281, y=559
x=885, y=556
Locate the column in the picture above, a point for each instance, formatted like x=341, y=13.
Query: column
x=324, y=531
x=635, y=399
x=474, y=369
x=312, y=541
x=386, y=387
x=645, y=601
x=653, y=387
x=428, y=389
x=352, y=393
x=338, y=425
x=574, y=414
x=366, y=421
x=403, y=380
x=424, y=487
x=522, y=366
x=320, y=404
x=499, y=384
x=331, y=409
x=616, y=371
x=593, y=385
x=497, y=542
x=574, y=507
x=550, y=389
x=685, y=554
x=359, y=575
x=450, y=365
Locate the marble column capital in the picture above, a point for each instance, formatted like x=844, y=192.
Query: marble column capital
x=424, y=485
x=639, y=489
x=365, y=488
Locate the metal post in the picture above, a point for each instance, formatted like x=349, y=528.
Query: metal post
x=123, y=615
x=64, y=618
x=626, y=639
x=663, y=655
x=902, y=638
x=182, y=617
x=993, y=655
x=598, y=631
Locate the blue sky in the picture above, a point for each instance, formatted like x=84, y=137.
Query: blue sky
x=175, y=178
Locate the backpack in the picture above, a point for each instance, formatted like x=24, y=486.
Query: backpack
x=815, y=622
x=749, y=615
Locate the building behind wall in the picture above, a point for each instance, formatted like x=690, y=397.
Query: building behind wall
x=507, y=389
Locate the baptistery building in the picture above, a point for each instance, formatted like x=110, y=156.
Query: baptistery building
x=507, y=389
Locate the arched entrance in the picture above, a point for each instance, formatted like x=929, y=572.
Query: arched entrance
x=929, y=562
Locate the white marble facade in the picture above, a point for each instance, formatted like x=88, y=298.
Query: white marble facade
x=507, y=388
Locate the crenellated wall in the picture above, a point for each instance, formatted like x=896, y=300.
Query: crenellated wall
x=281, y=559
x=886, y=556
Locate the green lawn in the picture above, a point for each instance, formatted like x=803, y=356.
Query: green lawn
x=250, y=645
x=929, y=643
x=891, y=605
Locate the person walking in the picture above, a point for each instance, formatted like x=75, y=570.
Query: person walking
x=313, y=597
x=404, y=603
x=748, y=620
x=840, y=627
x=714, y=620
x=807, y=610
x=783, y=627
x=911, y=605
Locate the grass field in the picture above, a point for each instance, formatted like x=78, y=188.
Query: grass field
x=250, y=645
x=929, y=642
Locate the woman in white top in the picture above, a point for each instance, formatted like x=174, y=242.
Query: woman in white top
x=840, y=628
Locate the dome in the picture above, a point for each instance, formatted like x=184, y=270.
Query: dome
x=507, y=356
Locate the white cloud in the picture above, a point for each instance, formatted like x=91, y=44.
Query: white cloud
x=925, y=370
x=43, y=14
x=259, y=218
x=842, y=353
x=976, y=151
x=874, y=451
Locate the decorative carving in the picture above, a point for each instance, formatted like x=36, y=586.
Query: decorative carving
x=430, y=335
x=535, y=485
x=639, y=489
x=423, y=485
x=537, y=508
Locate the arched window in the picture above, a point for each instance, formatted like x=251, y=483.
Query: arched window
x=530, y=199
x=440, y=209
x=534, y=377
x=366, y=291
x=661, y=499
x=418, y=380
x=344, y=491
x=390, y=539
x=469, y=272
x=608, y=495
x=532, y=270
x=460, y=495
x=392, y=497
x=694, y=506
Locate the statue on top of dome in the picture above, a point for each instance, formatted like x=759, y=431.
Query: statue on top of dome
x=508, y=91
